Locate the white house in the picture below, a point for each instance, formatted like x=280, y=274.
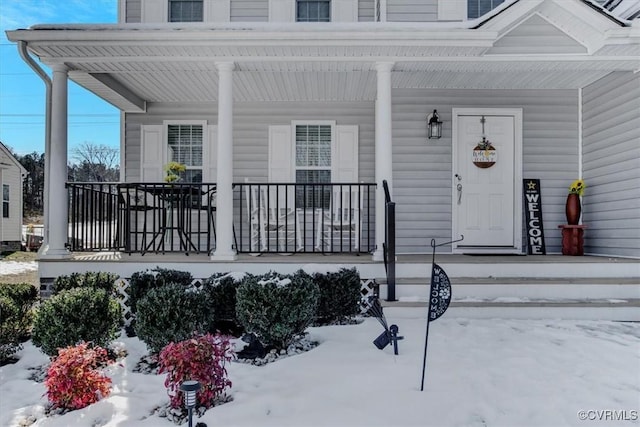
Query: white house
x=11, y=175
x=314, y=93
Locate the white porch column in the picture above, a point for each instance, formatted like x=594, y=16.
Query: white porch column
x=383, y=156
x=57, y=219
x=224, y=209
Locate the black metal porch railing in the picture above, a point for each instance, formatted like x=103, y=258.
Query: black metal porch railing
x=389, y=244
x=180, y=217
x=94, y=216
x=304, y=218
x=141, y=217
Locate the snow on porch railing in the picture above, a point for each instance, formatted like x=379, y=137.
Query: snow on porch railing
x=368, y=287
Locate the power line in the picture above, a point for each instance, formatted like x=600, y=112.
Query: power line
x=70, y=115
x=68, y=124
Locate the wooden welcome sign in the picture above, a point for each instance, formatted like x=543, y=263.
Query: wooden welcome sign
x=484, y=154
x=533, y=210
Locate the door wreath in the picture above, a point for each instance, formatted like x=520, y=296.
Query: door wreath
x=484, y=154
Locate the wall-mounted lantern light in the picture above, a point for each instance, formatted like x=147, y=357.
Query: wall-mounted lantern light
x=434, y=126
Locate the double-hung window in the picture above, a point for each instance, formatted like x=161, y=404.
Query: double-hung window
x=313, y=162
x=185, y=11
x=5, y=201
x=313, y=11
x=185, y=143
x=477, y=8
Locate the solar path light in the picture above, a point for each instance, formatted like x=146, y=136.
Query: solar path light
x=190, y=388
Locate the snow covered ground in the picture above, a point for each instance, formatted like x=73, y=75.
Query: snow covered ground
x=479, y=373
x=16, y=267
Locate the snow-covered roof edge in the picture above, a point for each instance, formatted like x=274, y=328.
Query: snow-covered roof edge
x=609, y=14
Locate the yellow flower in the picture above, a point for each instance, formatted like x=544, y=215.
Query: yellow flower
x=171, y=178
x=577, y=187
x=175, y=167
x=173, y=171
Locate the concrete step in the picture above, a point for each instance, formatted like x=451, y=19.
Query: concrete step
x=586, y=309
x=531, y=288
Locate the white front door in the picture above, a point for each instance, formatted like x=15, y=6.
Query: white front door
x=487, y=180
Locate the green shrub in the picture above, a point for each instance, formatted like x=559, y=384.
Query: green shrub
x=141, y=282
x=74, y=315
x=24, y=296
x=166, y=276
x=95, y=280
x=9, y=336
x=339, y=295
x=16, y=303
x=171, y=313
x=221, y=290
x=277, y=308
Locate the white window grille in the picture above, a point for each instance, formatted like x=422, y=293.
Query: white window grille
x=477, y=8
x=185, y=146
x=313, y=163
x=313, y=11
x=185, y=11
x=5, y=200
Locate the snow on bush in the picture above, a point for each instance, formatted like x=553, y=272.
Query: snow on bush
x=74, y=380
x=277, y=308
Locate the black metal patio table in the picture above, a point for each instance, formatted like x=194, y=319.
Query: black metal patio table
x=178, y=198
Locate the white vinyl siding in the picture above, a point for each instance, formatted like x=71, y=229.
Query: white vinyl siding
x=249, y=10
x=611, y=165
x=536, y=36
x=422, y=170
x=251, y=121
x=412, y=10
x=11, y=193
x=422, y=176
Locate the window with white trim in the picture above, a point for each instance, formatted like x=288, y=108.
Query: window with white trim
x=186, y=11
x=313, y=161
x=5, y=200
x=477, y=8
x=313, y=10
x=185, y=142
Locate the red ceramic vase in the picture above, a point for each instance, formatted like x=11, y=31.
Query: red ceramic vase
x=573, y=209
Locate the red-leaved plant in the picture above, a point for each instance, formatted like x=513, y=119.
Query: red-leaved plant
x=74, y=380
x=201, y=358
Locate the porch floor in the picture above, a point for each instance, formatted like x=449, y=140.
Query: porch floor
x=319, y=258
x=407, y=266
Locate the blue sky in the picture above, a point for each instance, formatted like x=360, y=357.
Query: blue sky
x=22, y=92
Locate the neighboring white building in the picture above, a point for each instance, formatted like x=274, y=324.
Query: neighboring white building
x=246, y=89
x=11, y=181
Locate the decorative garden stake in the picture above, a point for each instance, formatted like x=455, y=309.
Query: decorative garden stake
x=190, y=388
x=439, y=297
x=390, y=333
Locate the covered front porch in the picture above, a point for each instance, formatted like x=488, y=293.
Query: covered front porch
x=249, y=89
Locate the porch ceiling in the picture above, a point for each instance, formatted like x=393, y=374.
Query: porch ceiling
x=129, y=67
